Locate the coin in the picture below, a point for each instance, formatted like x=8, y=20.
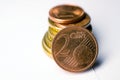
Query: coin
x=47, y=41
x=82, y=23
x=53, y=25
x=74, y=49
x=46, y=48
x=50, y=36
x=66, y=14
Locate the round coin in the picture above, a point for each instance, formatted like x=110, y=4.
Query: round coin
x=82, y=23
x=53, y=25
x=75, y=49
x=47, y=41
x=46, y=48
x=66, y=14
x=85, y=22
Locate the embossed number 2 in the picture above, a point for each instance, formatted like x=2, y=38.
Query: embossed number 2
x=63, y=51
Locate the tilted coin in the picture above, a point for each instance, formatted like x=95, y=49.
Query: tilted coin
x=66, y=14
x=75, y=49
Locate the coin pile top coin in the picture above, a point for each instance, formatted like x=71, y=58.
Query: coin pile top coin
x=66, y=14
x=74, y=49
x=82, y=23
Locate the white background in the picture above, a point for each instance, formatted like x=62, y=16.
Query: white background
x=22, y=27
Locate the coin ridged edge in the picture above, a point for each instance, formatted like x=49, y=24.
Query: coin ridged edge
x=46, y=49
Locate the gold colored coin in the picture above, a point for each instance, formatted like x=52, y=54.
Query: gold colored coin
x=47, y=41
x=46, y=49
x=52, y=30
x=50, y=35
x=75, y=49
x=66, y=14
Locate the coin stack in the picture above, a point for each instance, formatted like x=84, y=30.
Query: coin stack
x=63, y=16
x=69, y=39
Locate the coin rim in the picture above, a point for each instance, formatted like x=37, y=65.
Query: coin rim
x=52, y=31
x=79, y=70
x=47, y=50
x=47, y=41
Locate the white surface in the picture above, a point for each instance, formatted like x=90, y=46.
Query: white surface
x=23, y=24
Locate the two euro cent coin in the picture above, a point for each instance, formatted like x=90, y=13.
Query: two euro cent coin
x=75, y=49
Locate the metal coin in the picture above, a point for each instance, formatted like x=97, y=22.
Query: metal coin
x=85, y=22
x=47, y=41
x=75, y=49
x=53, y=25
x=66, y=14
x=50, y=36
x=46, y=49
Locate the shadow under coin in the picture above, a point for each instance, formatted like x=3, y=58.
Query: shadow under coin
x=100, y=60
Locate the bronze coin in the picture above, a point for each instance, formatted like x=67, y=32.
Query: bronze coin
x=66, y=14
x=85, y=22
x=75, y=49
x=82, y=23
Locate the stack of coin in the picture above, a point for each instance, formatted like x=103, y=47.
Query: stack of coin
x=63, y=16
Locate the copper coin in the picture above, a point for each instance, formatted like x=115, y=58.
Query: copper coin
x=75, y=49
x=85, y=22
x=82, y=23
x=66, y=14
